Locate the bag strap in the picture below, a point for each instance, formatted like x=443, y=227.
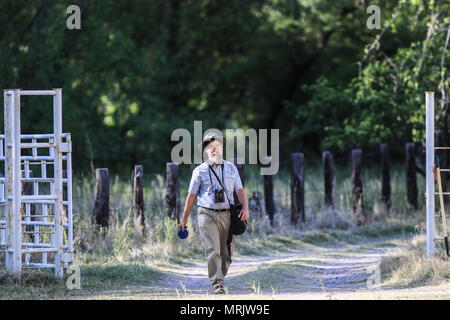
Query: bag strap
x=217, y=178
x=229, y=203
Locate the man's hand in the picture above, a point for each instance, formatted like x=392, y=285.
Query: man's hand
x=183, y=224
x=244, y=214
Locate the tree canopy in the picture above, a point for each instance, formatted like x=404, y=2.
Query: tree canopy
x=137, y=70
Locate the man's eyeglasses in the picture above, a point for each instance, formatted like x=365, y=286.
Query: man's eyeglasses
x=211, y=147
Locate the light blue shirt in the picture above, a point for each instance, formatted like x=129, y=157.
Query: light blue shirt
x=201, y=184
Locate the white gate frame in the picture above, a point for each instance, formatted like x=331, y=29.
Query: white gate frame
x=430, y=191
x=58, y=143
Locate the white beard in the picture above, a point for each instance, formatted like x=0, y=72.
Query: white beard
x=216, y=159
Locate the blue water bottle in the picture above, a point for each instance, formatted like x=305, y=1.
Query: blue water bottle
x=183, y=234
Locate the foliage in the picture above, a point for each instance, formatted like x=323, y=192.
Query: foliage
x=139, y=69
x=384, y=103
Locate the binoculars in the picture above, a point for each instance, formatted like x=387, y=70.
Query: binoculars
x=219, y=196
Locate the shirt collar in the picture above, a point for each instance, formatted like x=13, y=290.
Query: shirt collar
x=212, y=163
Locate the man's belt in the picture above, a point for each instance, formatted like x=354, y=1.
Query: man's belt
x=215, y=210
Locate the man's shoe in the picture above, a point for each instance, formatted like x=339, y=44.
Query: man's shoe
x=218, y=288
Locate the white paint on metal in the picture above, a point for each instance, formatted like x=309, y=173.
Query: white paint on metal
x=55, y=251
x=38, y=250
x=36, y=145
x=57, y=167
x=39, y=197
x=8, y=118
x=430, y=192
x=69, y=193
x=17, y=187
x=38, y=92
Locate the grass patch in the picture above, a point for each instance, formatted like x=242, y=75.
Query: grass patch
x=390, y=227
x=33, y=284
x=97, y=276
x=327, y=237
x=29, y=277
x=411, y=268
x=42, y=284
x=387, y=245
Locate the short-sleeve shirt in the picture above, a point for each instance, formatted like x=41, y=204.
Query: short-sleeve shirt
x=201, y=184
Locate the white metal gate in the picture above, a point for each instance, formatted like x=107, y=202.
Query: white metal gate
x=432, y=235
x=36, y=230
x=430, y=192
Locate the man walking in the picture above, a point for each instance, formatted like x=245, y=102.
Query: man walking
x=213, y=207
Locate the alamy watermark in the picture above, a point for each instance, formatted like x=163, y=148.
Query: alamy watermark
x=74, y=280
x=374, y=279
x=257, y=146
x=74, y=20
x=374, y=20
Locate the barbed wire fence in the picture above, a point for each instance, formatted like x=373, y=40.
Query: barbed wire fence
x=155, y=189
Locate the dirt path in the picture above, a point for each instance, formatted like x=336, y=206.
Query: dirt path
x=322, y=270
x=311, y=273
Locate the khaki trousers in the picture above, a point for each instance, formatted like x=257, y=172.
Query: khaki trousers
x=214, y=227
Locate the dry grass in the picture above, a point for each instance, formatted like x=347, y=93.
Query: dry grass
x=29, y=277
x=411, y=268
x=333, y=219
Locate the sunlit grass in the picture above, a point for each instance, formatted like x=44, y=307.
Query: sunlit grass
x=410, y=267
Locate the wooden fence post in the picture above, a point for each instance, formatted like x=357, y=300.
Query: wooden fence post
x=386, y=202
x=268, y=195
x=411, y=181
x=357, y=188
x=329, y=178
x=100, y=213
x=172, y=195
x=28, y=190
x=297, y=188
x=138, y=200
